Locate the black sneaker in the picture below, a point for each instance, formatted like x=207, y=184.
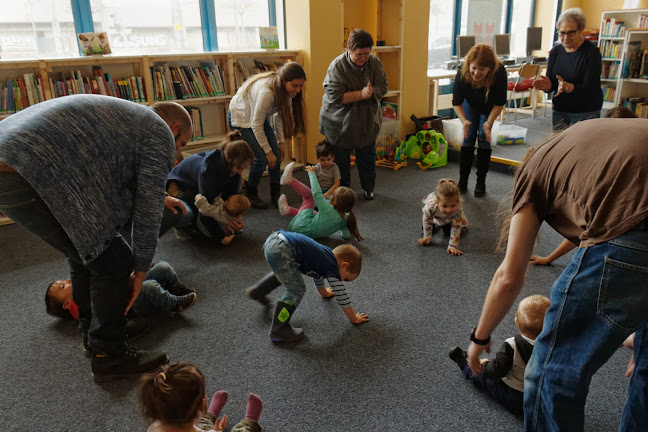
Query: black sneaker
x=181, y=289
x=131, y=362
x=368, y=195
x=135, y=328
x=185, y=302
x=458, y=356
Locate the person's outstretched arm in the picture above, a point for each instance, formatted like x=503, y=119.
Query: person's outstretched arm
x=561, y=250
x=507, y=281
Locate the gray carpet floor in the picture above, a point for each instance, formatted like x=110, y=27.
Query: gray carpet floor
x=392, y=373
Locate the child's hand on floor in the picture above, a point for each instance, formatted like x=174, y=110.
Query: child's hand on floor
x=424, y=241
x=227, y=239
x=454, y=251
x=538, y=260
x=360, y=318
x=326, y=292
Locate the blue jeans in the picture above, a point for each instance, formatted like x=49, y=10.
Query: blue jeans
x=366, y=161
x=508, y=397
x=600, y=299
x=101, y=287
x=476, y=128
x=260, y=158
x=281, y=259
x=177, y=220
x=562, y=120
x=155, y=295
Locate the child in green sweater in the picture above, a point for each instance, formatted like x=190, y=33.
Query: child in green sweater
x=330, y=217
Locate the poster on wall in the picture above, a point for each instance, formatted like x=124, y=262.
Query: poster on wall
x=484, y=20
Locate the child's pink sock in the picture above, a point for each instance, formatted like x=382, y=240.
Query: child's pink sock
x=217, y=402
x=254, y=405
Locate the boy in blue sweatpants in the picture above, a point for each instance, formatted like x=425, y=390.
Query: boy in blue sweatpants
x=290, y=255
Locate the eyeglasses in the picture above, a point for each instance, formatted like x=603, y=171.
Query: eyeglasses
x=570, y=33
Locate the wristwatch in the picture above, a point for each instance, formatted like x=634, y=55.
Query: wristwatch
x=479, y=341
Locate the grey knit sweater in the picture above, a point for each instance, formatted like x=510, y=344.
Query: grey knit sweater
x=97, y=162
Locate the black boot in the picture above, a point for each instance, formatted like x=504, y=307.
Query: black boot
x=465, y=164
x=483, y=161
x=275, y=193
x=252, y=193
x=259, y=290
x=281, y=331
x=128, y=363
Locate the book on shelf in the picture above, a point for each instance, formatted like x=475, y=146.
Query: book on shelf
x=643, y=70
x=613, y=28
x=389, y=111
x=73, y=82
x=632, y=60
x=20, y=93
x=611, y=49
x=196, y=120
x=643, y=21
x=608, y=93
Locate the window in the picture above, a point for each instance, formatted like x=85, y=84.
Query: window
x=483, y=18
x=149, y=26
x=519, y=23
x=440, y=35
x=237, y=23
x=37, y=28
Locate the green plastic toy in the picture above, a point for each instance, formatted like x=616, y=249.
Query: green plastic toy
x=421, y=144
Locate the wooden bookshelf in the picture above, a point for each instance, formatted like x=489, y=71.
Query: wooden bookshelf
x=618, y=30
x=77, y=76
x=384, y=20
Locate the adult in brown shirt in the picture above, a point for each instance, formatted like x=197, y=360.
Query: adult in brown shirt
x=589, y=183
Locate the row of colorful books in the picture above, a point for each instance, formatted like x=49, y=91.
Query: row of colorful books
x=634, y=103
x=611, y=49
x=636, y=61
x=610, y=70
x=643, y=21
x=183, y=82
x=613, y=28
x=608, y=93
x=20, y=93
x=637, y=105
x=73, y=82
x=246, y=67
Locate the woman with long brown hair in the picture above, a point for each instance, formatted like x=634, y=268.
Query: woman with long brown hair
x=478, y=98
x=274, y=93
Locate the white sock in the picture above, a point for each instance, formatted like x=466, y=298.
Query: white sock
x=282, y=203
x=287, y=175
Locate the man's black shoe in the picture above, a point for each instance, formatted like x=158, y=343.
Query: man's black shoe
x=368, y=195
x=458, y=356
x=131, y=362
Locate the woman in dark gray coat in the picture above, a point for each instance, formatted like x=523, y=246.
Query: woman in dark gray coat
x=350, y=117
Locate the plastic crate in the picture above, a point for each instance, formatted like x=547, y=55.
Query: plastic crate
x=506, y=134
x=453, y=132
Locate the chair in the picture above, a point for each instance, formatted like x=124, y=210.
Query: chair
x=523, y=84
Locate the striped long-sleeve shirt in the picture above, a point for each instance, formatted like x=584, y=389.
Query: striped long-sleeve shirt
x=317, y=261
x=97, y=162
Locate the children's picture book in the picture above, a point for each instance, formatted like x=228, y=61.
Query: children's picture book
x=269, y=38
x=94, y=43
x=389, y=111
